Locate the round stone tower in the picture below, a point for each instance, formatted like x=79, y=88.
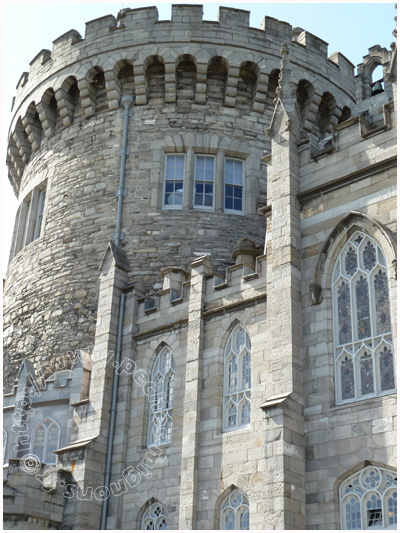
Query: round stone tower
x=150, y=134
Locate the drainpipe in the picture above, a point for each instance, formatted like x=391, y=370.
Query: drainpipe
x=113, y=409
x=127, y=102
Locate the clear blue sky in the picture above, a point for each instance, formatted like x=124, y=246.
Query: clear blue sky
x=27, y=28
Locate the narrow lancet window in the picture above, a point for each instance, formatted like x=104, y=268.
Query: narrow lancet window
x=237, y=380
x=161, y=399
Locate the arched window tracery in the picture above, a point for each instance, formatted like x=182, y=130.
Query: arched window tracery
x=237, y=379
x=161, y=398
x=235, y=511
x=368, y=499
x=364, y=360
x=155, y=517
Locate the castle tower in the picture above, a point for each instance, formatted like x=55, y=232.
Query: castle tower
x=202, y=279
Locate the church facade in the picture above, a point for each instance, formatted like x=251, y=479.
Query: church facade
x=200, y=305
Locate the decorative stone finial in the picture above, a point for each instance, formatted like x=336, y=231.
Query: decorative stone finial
x=286, y=89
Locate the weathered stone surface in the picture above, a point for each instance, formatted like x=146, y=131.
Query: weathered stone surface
x=319, y=172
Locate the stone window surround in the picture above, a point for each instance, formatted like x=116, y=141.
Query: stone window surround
x=219, y=181
x=385, y=339
x=26, y=229
x=220, y=149
x=189, y=182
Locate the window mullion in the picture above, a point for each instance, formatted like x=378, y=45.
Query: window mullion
x=219, y=181
x=188, y=191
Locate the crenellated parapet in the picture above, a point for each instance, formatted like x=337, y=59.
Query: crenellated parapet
x=240, y=283
x=185, y=62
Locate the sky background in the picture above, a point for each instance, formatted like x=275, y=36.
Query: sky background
x=29, y=27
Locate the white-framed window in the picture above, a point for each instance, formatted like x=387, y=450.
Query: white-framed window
x=237, y=380
x=161, y=399
x=368, y=499
x=204, y=182
x=4, y=445
x=234, y=186
x=39, y=215
x=235, y=511
x=364, y=356
x=46, y=439
x=173, y=181
x=155, y=517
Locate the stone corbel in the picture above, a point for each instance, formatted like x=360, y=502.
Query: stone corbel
x=315, y=293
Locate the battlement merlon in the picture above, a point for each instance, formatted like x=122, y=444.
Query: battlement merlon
x=68, y=46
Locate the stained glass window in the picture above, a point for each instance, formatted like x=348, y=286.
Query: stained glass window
x=344, y=317
x=246, y=380
x=161, y=399
x=368, y=499
x=347, y=378
x=45, y=439
x=386, y=369
x=246, y=413
x=362, y=323
x=237, y=379
x=367, y=374
x=232, y=416
x=369, y=256
x=392, y=507
x=154, y=518
x=382, y=302
x=363, y=317
x=351, y=262
x=235, y=512
x=232, y=374
x=353, y=513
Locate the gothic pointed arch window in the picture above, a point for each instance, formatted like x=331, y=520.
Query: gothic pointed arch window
x=235, y=511
x=368, y=499
x=46, y=439
x=237, y=380
x=364, y=357
x=161, y=398
x=155, y=517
